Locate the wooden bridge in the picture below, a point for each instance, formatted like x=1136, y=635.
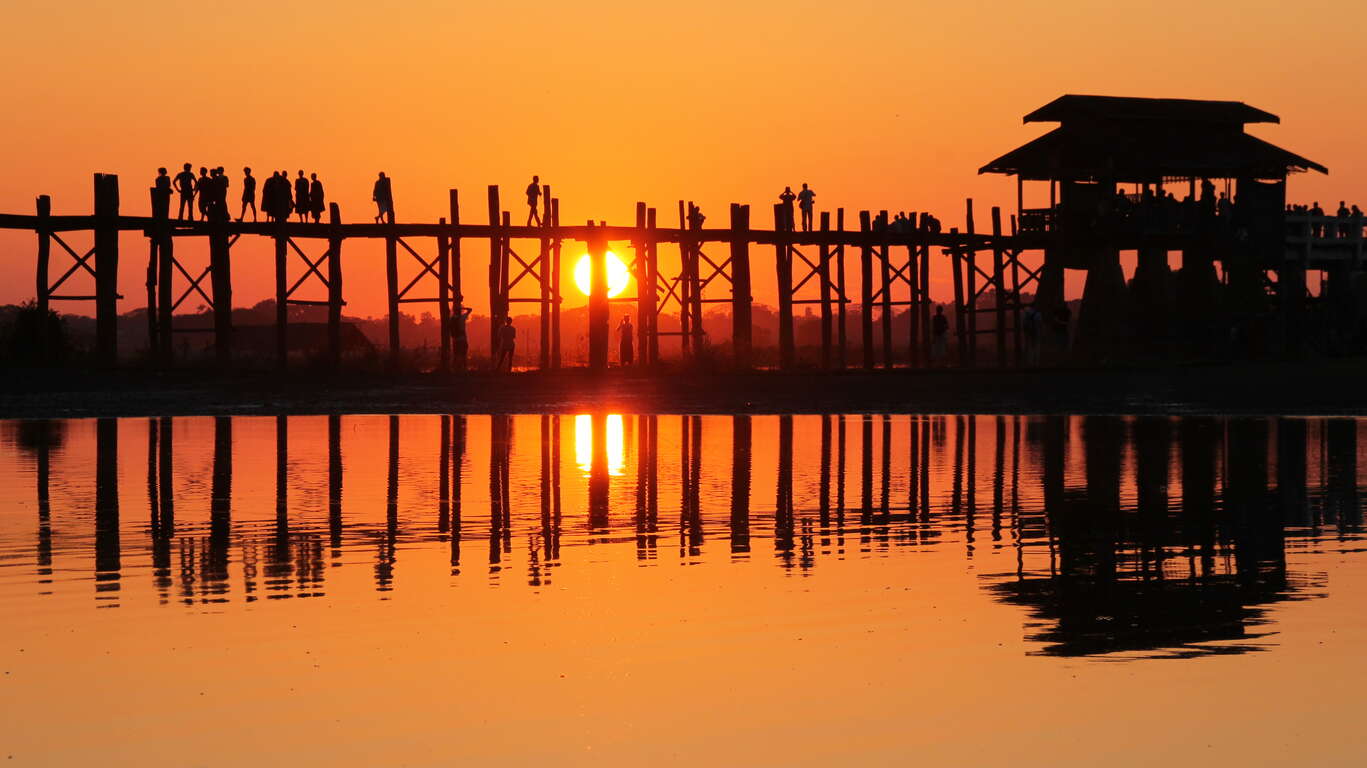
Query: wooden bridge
x=714, y=266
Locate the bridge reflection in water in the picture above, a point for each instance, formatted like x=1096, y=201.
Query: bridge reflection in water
x=1136, y=534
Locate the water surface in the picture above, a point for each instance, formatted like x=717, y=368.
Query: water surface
x=617, y=589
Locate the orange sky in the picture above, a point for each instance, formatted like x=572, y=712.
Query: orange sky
x=877, y=104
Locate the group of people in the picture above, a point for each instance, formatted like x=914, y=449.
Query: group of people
x=207, y=194
x=1348, y=217
x=279, y=198
x=1037, y=330
x=506, y=341
x=806, y=202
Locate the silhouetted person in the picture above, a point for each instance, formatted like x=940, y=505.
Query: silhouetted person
x=939, y=335
x=460, y=340
x=383, y=195
x=805, y=201
x=212, y=193
x=1317, y=212
x=163, y=183
x=1032, y=328
x=284, y=203
x=185, y=185
x=220, y=204
x=626, y=351
x=301, y=197
x=248, y=194
x=533, y=201
x=204, y=186
x=695, y=217
x=507, y=344
x=317, y=202
x=1061, y=326
x=268, y=196
x=1343, y=215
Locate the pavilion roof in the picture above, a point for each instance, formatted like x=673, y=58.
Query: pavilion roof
x=1128, y=139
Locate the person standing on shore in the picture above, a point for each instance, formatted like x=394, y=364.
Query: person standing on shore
x=939, y=335
x=507, y=344
x=626, y=352
x=460, y=340
x=248, y=194
x=1032, y=327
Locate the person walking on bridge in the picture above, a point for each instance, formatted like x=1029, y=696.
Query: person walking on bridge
x=301, y=197
x=533, y=201
x=185, y=185
x=383, y=195
x=248, y=194
x=316, y=199
x=805, y=200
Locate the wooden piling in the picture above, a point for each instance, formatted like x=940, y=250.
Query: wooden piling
x=495, y=279
x=913, y=304
x=639, y=268
x=444, y=298
x=391, y=273
x=555, y=291
x=866, y=291
x=971, y=287
x=151, y=280
x=885, y=277
x=221, y=276
x=281, y=301
x=106, y=269
x=650, y=347
x=740, y=286
x=598, y=301
x=999, y=283
x=824, y=277
x=784, y=268
x=453, y=275
x=543, y=274
x=696, y=330
x=926, y=308
x=44, y=206
x=840, y=277
x=956, y=259
x=1016, y=330
x=504, y=289
x=335, y=287
x=161, y=214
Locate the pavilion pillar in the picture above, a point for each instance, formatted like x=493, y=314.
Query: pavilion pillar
x=1102, y=317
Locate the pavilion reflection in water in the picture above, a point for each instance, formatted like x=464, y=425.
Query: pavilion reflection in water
x=1128, y=533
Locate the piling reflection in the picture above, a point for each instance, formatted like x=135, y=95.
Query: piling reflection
x=1137, y=535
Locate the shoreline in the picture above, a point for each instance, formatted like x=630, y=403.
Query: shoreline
x=1310, y=388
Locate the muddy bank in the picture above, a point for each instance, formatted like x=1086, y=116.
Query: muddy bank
x=1300, y=388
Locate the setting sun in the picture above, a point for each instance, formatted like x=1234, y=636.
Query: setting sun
x=618, y=275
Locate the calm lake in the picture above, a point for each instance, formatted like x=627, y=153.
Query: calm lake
x=614, y=589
